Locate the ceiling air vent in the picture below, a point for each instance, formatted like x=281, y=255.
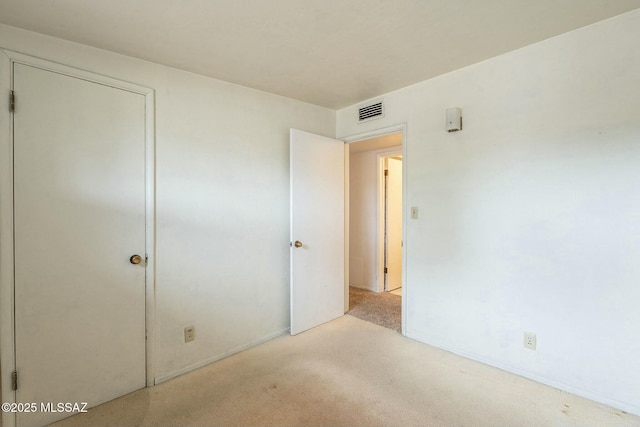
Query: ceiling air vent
x=370, y=111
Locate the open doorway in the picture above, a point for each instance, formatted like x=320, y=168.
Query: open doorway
x=375, y=229
x=392, y=233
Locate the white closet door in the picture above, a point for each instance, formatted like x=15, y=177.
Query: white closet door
x=79, y=185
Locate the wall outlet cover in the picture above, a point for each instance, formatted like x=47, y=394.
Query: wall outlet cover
x=530, y=340
x=189, y=333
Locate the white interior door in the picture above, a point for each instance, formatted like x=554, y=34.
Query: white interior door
x=79, y=188
x=317, y=230
x=394, y=224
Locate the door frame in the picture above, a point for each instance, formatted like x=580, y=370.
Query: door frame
x=349, y=139
x=7, y=315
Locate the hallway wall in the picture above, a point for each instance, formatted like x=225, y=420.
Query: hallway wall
x=364, y=192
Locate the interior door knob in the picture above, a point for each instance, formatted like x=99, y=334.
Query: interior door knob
x=298, y=244
x=135, y=259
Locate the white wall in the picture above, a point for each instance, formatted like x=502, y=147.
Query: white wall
x=530, y=217
x=222, y=195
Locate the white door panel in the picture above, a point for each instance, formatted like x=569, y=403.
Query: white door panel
x=317, y=221
x=79, y=185
x=394, y=224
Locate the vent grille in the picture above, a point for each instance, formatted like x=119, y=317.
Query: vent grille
x=371, y=111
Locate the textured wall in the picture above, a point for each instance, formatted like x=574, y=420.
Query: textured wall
x=530, y=217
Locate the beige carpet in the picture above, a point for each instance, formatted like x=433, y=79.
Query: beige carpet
x=381, y=308
x=350, y=373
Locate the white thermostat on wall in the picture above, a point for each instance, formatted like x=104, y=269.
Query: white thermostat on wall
x=454, y=119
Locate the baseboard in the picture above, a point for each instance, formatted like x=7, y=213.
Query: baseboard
x=363, y=288
x=194, y=366
x=623, y=406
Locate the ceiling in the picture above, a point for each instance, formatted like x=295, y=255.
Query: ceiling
x=332, y=53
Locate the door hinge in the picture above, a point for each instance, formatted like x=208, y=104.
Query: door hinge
x=12, y=102
x=386, y=270
x=14, y=380
x=386, y=172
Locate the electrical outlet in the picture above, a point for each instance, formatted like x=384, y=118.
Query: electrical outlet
x=414, y=212
x=530, y=340
x=189, y=333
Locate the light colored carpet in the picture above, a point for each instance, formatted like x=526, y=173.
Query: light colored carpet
x=349, y=372
x=381, y=308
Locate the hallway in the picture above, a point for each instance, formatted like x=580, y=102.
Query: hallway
x=381, y=308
